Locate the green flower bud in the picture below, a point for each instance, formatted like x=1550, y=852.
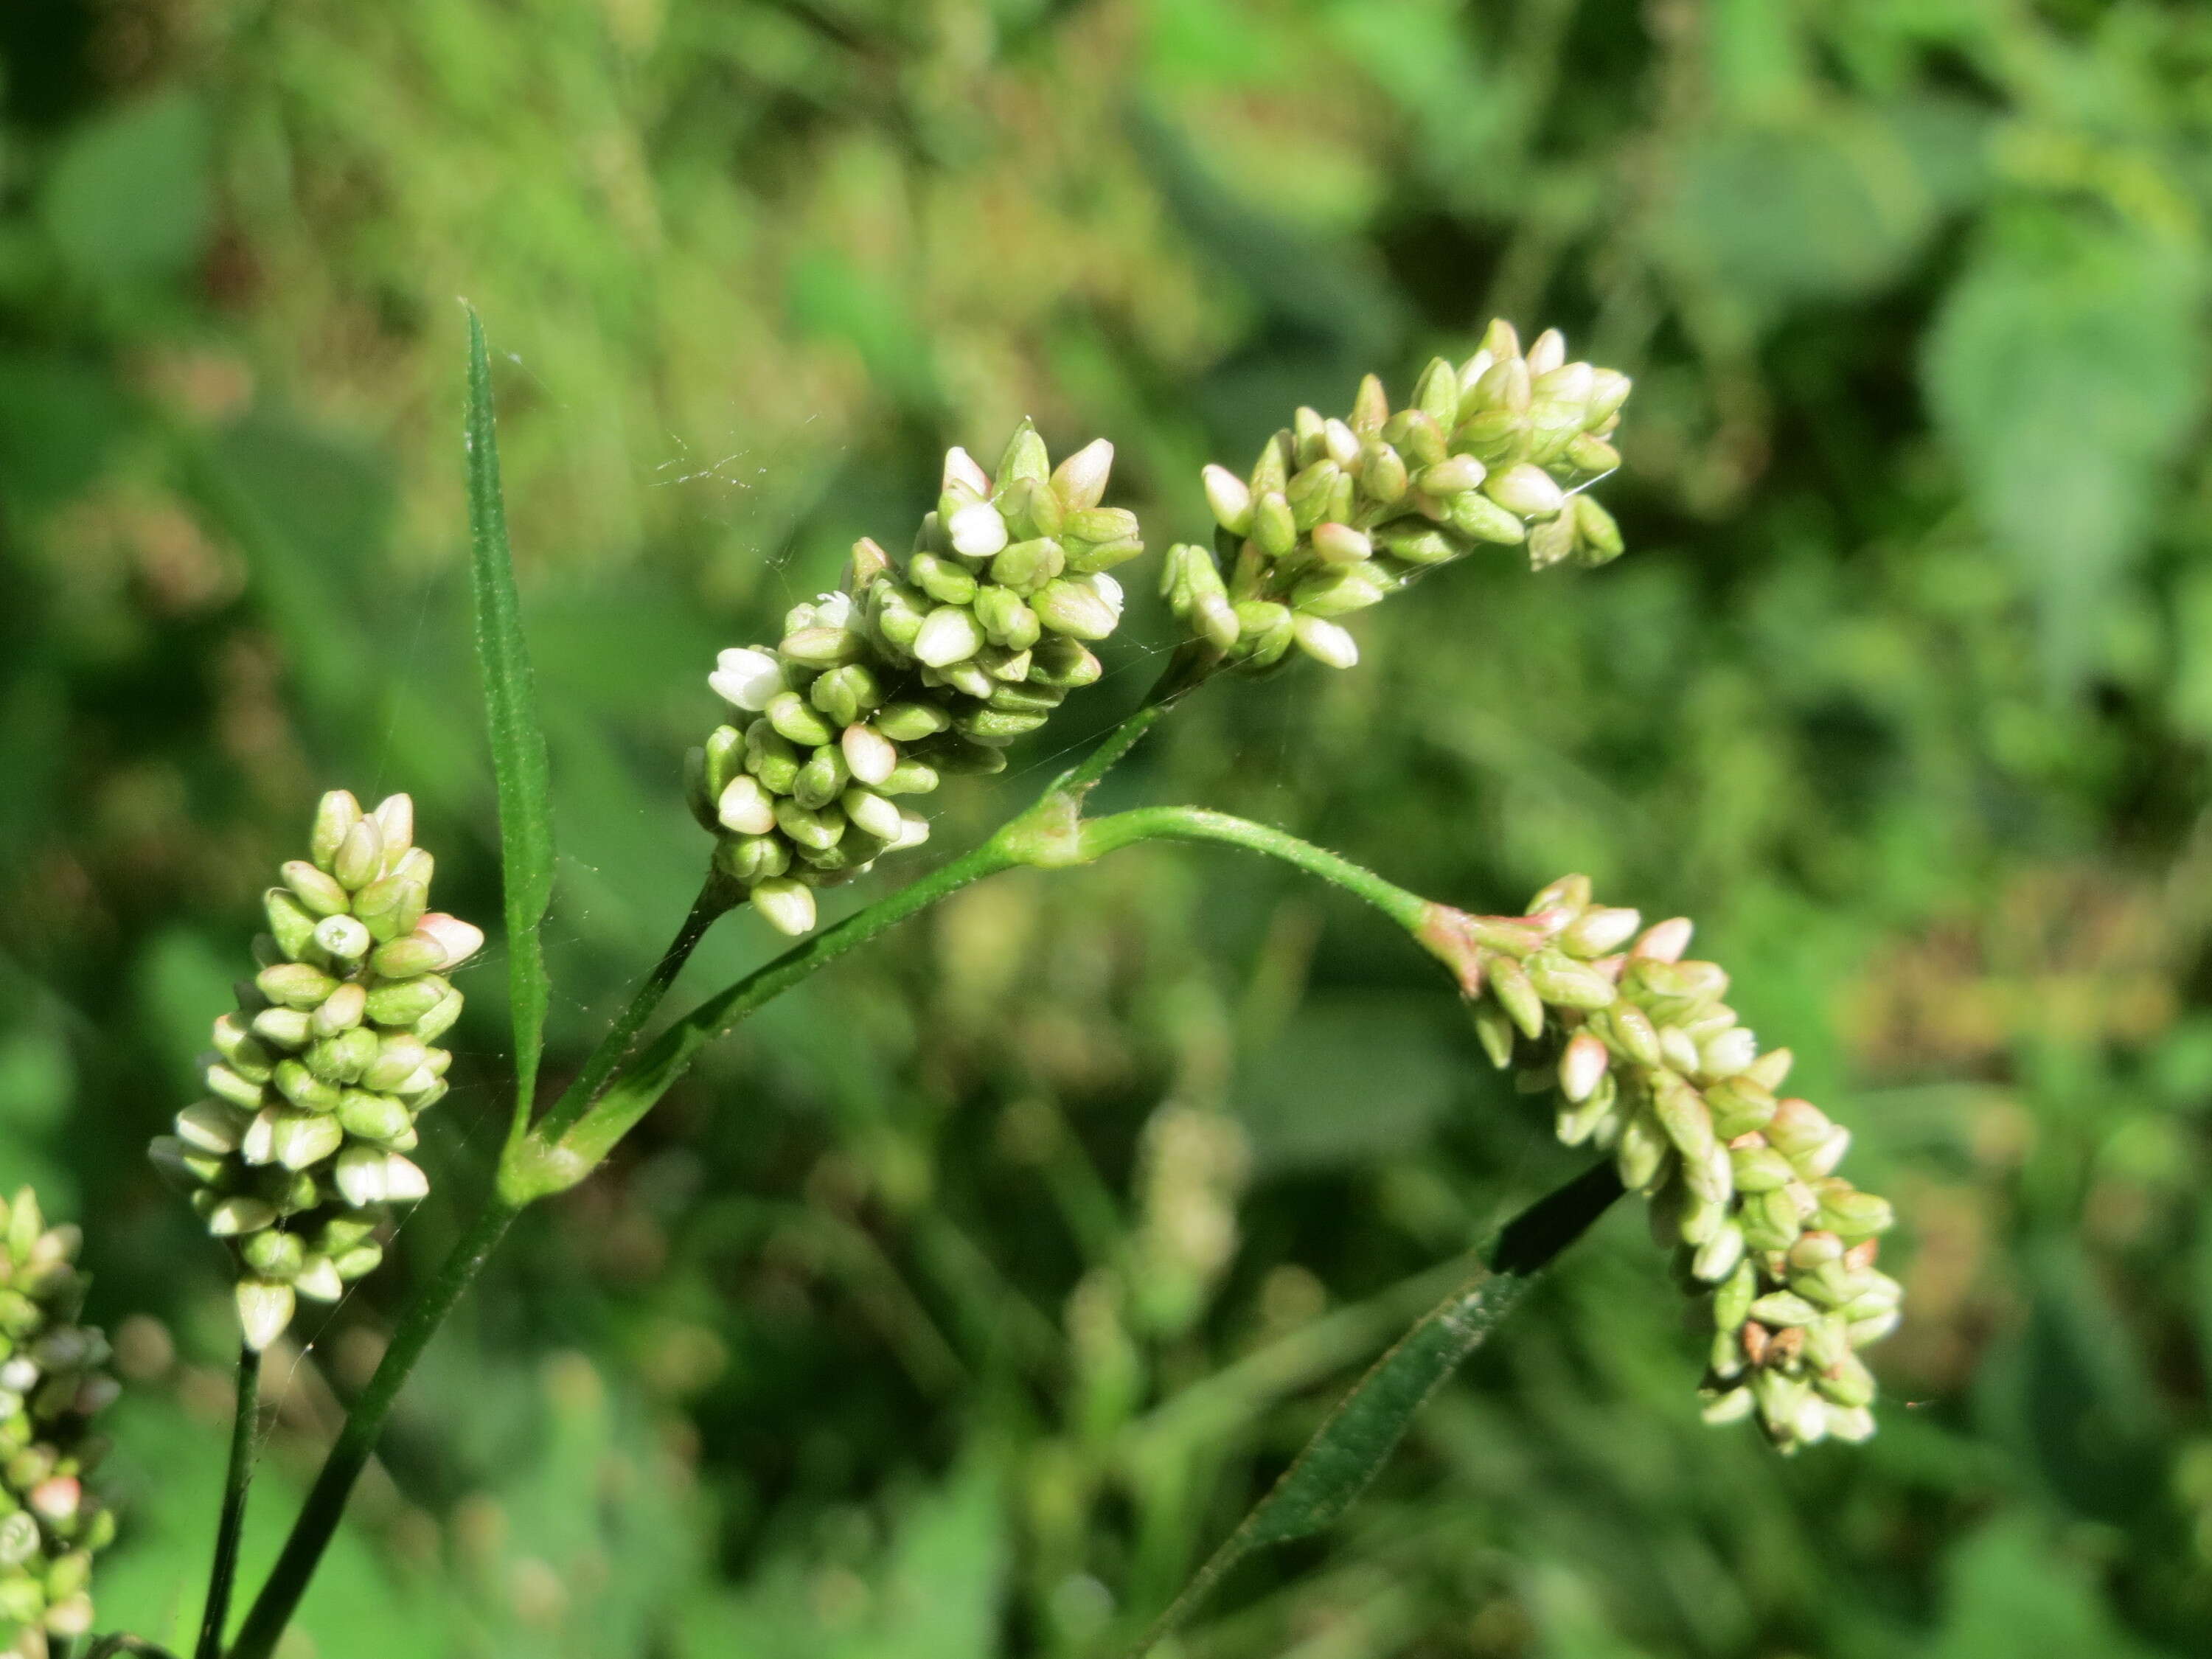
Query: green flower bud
x=792, y=719
x=360, y=858
x=406, y=1001
x=1065, y=663
x=1324, y=642
x=1273, y=528
x=336, y=814
x=1475, y=515
x=822, y=779
x=295, y=985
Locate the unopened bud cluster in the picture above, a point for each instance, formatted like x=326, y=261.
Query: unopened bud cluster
x=315, y=1084
x=1338, y=514
x=51, y=1384
x=911, y=672
x=1651, y=1064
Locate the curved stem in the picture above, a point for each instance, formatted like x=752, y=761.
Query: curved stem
x=718, y=896
x=318, y=1520
x=245, y=1423
x=1101, y=836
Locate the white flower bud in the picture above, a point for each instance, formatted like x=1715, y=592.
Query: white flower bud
x=962, y=473
x=785, y=905
x=343, y=937
x=264, y=1309
x=977, y=529
x=395, y=822
x=1527, y=489
x=872, y=812
x=745, y=808
x=1230, y=499
x=746, y=677
x=1665, y=941
x=1583, y=1065
x=949, y=634
x=869, y=756
x=1324, y=642
x=1080, y=480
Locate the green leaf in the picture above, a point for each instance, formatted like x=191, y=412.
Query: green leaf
x=1349, y=1450
x=518, y=742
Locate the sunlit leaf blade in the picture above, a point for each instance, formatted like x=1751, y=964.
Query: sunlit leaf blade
x=1349, y=1448
x=518, y=742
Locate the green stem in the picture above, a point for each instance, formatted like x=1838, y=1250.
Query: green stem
x=718, y=896
x=318, y=1520
x=244, y=1424
x=1101, y=836
x=565, y=1147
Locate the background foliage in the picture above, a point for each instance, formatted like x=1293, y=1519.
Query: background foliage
x=962, y=1302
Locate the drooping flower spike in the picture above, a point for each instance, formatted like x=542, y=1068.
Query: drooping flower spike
x=911, y=672
x=1338, y=514
x=1650, y=1064
x=300, y=1151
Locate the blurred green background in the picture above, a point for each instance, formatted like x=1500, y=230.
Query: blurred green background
x=960, y=1304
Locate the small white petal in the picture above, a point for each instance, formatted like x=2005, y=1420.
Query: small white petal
x=747, y=678
x=977, y=530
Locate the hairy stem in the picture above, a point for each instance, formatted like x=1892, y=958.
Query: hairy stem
x=244, y=1425
x=318, y=1520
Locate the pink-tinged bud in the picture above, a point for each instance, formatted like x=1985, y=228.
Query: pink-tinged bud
x=1582, y=1067
x=461, y=940
x=1665, y=941
x=869, y=756
x=395, y=821
x=57, y=1499
x=1599, y=931
x=1231, y=499
x=1080, y=480
x=964, y=474
x=1340, y=544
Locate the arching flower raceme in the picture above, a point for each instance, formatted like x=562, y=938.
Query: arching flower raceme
x=1338, y=514
x=300, y=1150
x=911, y=672
x=52, y=1381
x=1651, y=1066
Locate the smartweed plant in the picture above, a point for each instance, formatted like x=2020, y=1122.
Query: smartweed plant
x=834, y=736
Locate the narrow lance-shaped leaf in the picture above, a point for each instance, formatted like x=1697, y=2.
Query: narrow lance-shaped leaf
x=1349, y=1448
x=518, y=742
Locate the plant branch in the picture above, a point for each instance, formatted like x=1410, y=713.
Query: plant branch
x=557, y=1155
x=318, y=1520
x=245, y=1424
x=718, y=896
x=1106, y=834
